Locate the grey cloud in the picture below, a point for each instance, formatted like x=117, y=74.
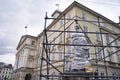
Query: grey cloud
x=8, y=43
x=14, y=15
x=4, y=51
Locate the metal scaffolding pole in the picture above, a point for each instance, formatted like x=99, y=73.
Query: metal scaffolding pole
x=83, y=20
x=41, y=64
x=102, y=44
x=46, y=49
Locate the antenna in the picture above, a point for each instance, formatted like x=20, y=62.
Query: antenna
x=57, y=6
x=25, y=30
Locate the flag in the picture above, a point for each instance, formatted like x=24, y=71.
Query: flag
x=57, y=4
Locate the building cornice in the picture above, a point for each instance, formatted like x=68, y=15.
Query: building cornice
x=25, y=37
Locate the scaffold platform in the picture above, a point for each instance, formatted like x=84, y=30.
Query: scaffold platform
x=78, y=75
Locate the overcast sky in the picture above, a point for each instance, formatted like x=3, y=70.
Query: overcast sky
x=16, y=14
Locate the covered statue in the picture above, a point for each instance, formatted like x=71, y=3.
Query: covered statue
x=79, y=50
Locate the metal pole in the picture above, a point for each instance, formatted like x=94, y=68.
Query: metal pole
x=110, y=22
x=103, y=49
x=116, y=34
x=64, y=47
x=46, y=47
x=112, y=53
x=104, y=46
x=96, y=59
x=41, y=64
x=85, y=34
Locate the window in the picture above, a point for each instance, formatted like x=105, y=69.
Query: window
x=68, y=33
x=118, y=58
x=87, y=52
x=61, y=23
x=117, y=43
x=110, y=56
x=60, y=55
x=113, y=29
x=97, y=36
x=53, y=56
x=68, y=17
x=101, y=22
x=95, y=21
x=33, y=43
x=99, y=54
x=85, y=29
x=104, y=25
x=107, y=39
x=102, y=75
x=53, y=51
x=83, y=15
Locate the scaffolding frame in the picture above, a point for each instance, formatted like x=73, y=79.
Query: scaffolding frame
x=46, y=50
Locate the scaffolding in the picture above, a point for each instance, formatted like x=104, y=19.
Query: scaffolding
x=63, y=75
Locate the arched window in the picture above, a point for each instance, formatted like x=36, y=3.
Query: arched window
x=28, y=77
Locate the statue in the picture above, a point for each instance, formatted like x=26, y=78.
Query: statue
x=80, y=53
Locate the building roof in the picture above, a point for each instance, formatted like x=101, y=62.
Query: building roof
x=8, y=66
x=56, y=11
x=23, y=38
x=75, y=3
x=2, y=64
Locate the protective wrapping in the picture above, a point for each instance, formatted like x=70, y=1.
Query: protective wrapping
x=80, y=52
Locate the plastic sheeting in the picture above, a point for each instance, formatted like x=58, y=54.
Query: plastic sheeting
x=80, y=53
